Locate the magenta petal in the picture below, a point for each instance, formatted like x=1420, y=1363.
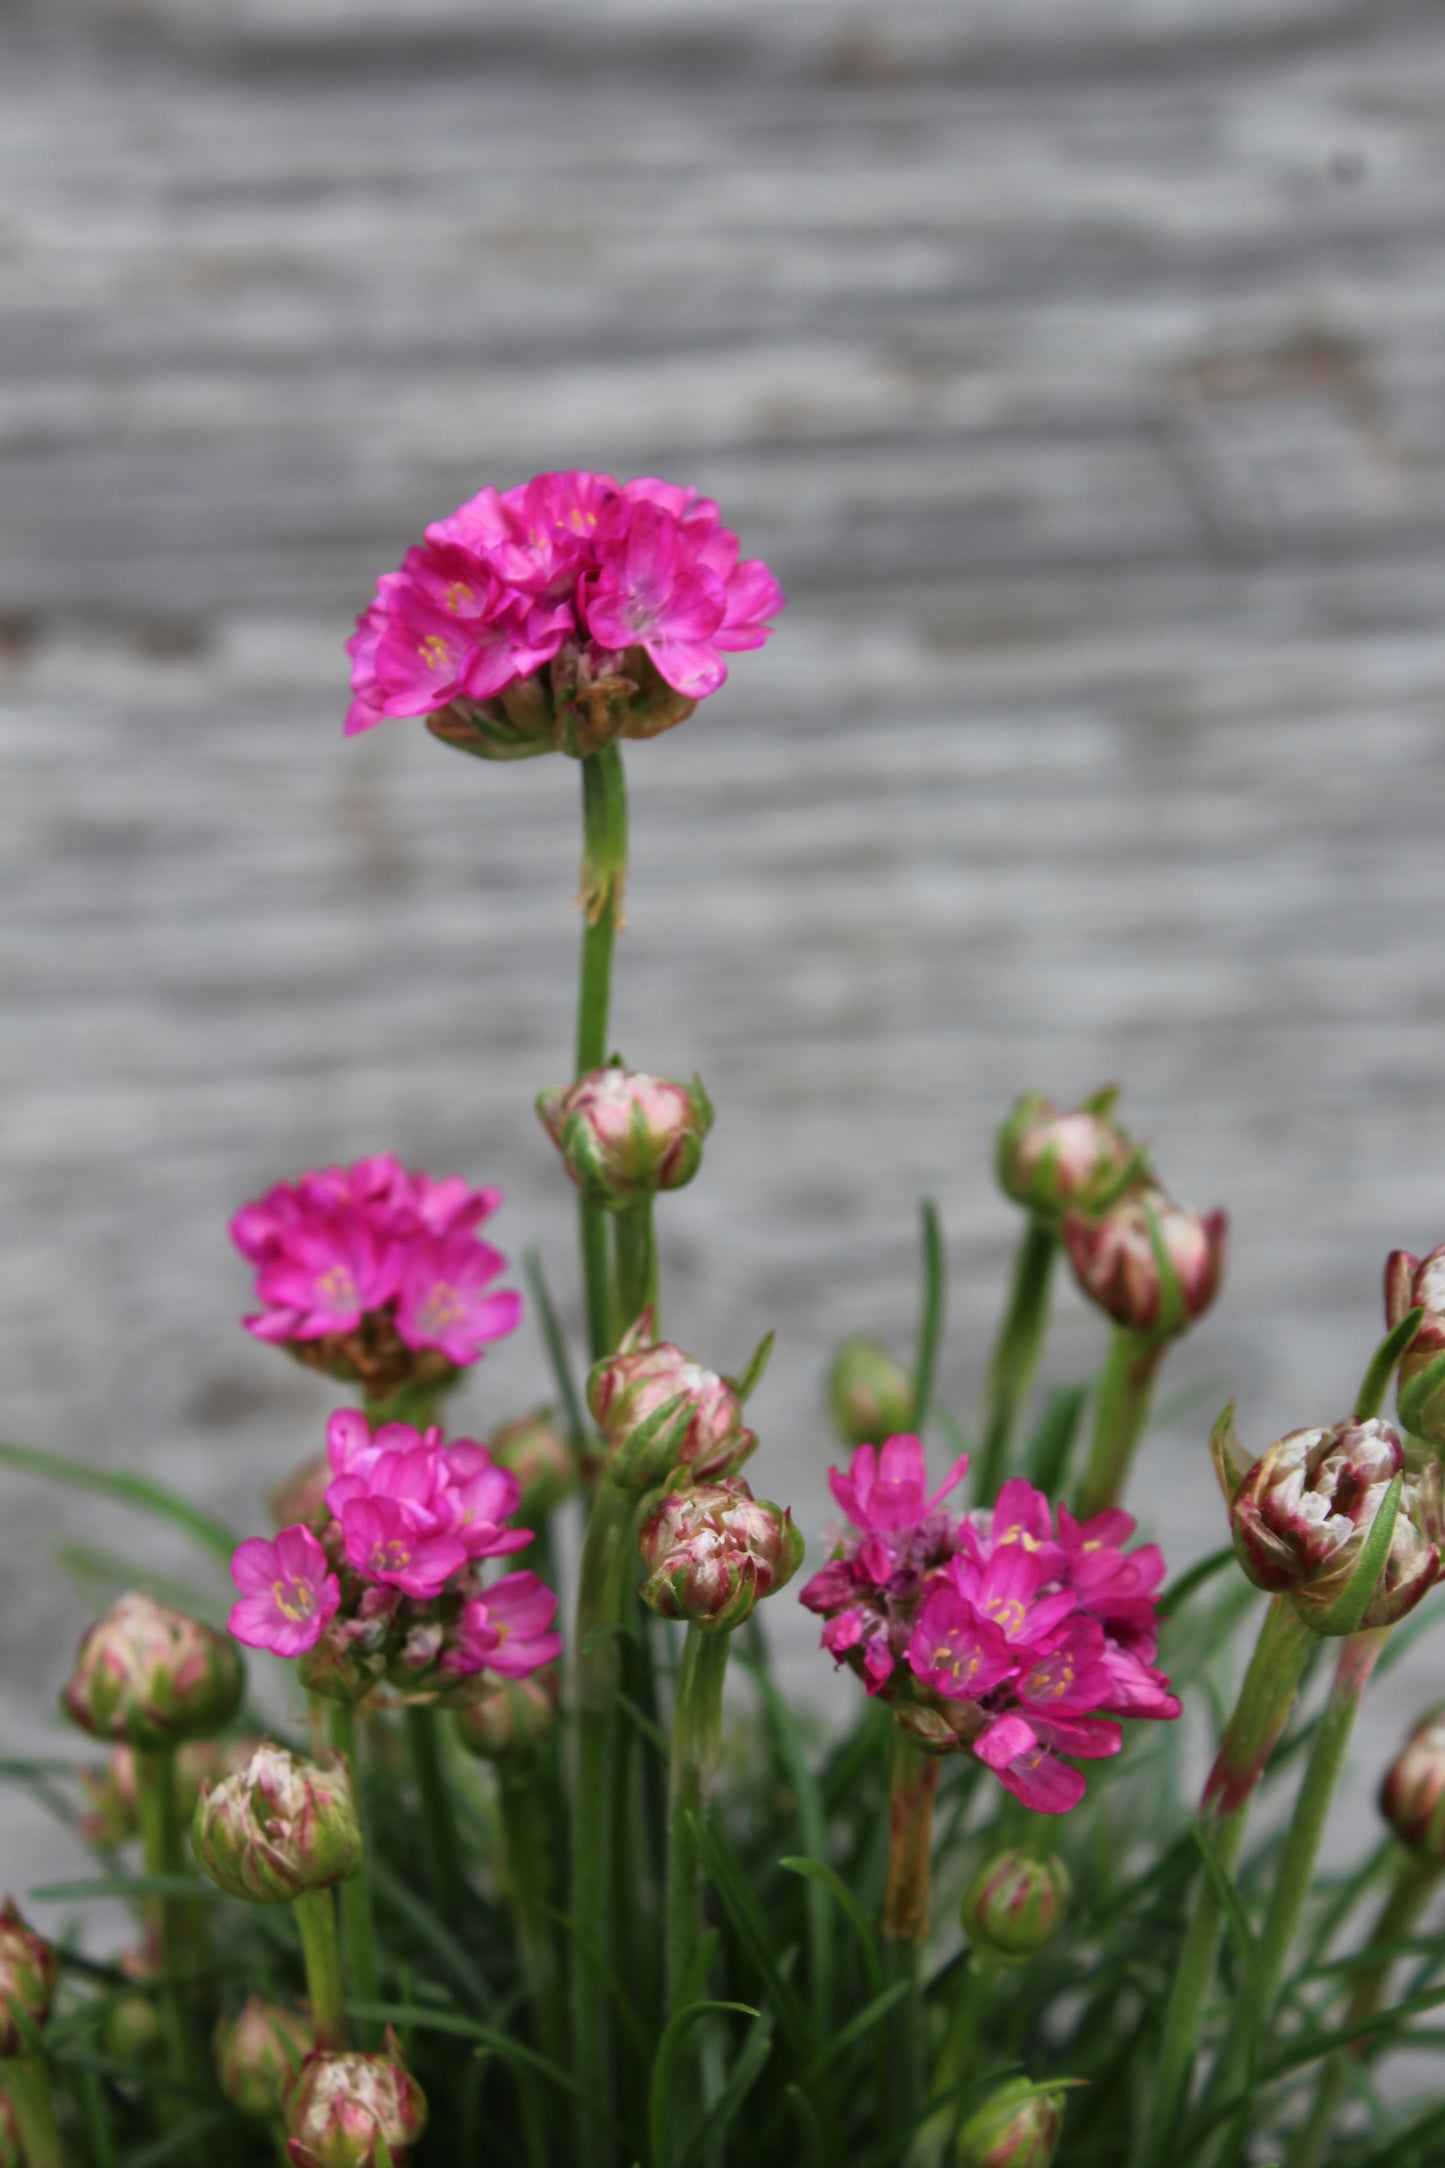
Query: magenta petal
x=1006, y=1738
x=254, y=1566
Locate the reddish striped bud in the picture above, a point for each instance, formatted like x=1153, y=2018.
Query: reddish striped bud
x=624, y=1135
x=278, y=1827
x=1017, y=2128
x=714, y=1552
x=152, y=1677
x=1016, y=1904
x=258, y=2053
x=1053, y=1159
x=658, y=1410
x=1412, y=1797
x=29, y=1976
x=1152, y=1265
x=342, y=2108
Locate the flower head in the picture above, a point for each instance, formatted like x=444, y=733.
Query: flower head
x=624, y=1136
x=375, y=1274
x=277, y=1827
x=1302, y=1514
x=1412, y=1797
x=29, y=1976
x=658, y=1410
x=1053, y=1159
x=152, y=1677
x=714, y=1551
x=341, y=2108
x=870, y=1394
x=506, y=1630
x=1017, y=2127
x=1152, y=1265
x=1017, y=1903
x=993, y=1633
x=560, y=616
x=258, y=2053
x=289, y=1595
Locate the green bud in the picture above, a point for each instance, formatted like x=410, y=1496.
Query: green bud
x=1017, y=2128
x=624, y=1135
x=1053, y=1159
x=152, y=1677
x=1016, y=1904
x=870, y=1394
x=278, y=1827
x=258, y=2053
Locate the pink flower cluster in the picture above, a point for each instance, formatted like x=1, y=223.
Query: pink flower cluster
x=501, y=586
x=392, y=1584
x=372, y=1261
x=998, y=1633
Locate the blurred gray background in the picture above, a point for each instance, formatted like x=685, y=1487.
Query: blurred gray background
x=1077, y=365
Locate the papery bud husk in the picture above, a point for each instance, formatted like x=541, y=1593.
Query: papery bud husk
x=278, y=1827
x=339, y=2105
x=1151, y=1265
x=29, y=1977
x=258, y=2053
x=536, y=1451
x=625, y=1135
x=512, y=1717
x=713, y=1552
x=870, y=1394
x=1412, y=1796
x=1017, y=1903
x=1017, y=2127
x=578, y=704
x=658, y=1410
x=374, y=1356
x=1053, y=1159
x=152, y=1677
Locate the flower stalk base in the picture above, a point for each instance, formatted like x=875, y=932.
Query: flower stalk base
x=1122, y=1409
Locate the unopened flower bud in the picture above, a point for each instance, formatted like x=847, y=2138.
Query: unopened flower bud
x=341, y=2107
x=512, y=1717
x=1053, y=1159
x=1016, y=1904
x=29, y=1976
x=870, y=1394
x=1301, y=1516
x=1018, y=2127
x=278, y=1827
x=624, y=1136
x=1152, y=1265
x=714, y=1552
x=153, y=1677
x=658, y=1410
x=1419, y=1283
x=1412, y=1797
x=133, y=2032
x=537, y=1453
x=258, y=2053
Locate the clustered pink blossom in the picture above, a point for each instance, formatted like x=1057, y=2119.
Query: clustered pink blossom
x=391, y=1587
x=372, y=1271
x=1005, y=1634
x=499, y=588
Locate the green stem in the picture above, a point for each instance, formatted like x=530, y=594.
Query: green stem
x=315, y=1915
x=1120, y=1413
x=912, y=1789
x=1415, y=1884
x=357, y=1920
x=604, y=1596
x=173, y=1924
x=27, y=2081
x=1294, y=1870
x=1260, y=1715
x=956, y=2056
x=438, y=1823
x=1016, y=1352
x=696, y=1738
x=636, y=1288
x=604, y=882
x=529, y=1891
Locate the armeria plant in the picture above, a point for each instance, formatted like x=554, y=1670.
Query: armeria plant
x=530, y=1874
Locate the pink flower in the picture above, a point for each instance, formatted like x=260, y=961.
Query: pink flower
x=886, y=1492
x=568, y=582
x=440, y=1299
x=507, y=1630
x=388, y=1543
x=322, y=1275
x=289, y=1595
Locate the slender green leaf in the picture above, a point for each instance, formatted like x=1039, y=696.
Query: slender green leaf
x=808, y=2124
x=744, y=2075
x=131, y=1886
x=930, y=1330
x=1054, y=1437
x=826, y=1877
x=1383, y=1363
x=183, y=2141
x=131, y=1490
x=424, y=2019
x=1348, y=1609
x=858, y=2027
x=557, y=1355
x=664, y=2072
x=1178, y=1593
x=785, y=1734
x=736, y=1896
x=757, y=1363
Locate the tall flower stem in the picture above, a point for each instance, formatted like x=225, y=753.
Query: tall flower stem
x=172, y=1923
x=315, y=1915
x=604, y=1596
x=529, y=1892
x=1294, y=1870
x=1260, y=1715
x=603, y=885
x=913, y=1786
x=636, y=1288
x=1120, y=1414
x=1416, y=1882
x=956, y=2055
x=27, y=2081
x=357, y=1919
x=438, y=1822
x=696, y=1737
x=1016, y=1352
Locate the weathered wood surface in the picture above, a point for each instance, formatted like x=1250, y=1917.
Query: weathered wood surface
x=1079, y=368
